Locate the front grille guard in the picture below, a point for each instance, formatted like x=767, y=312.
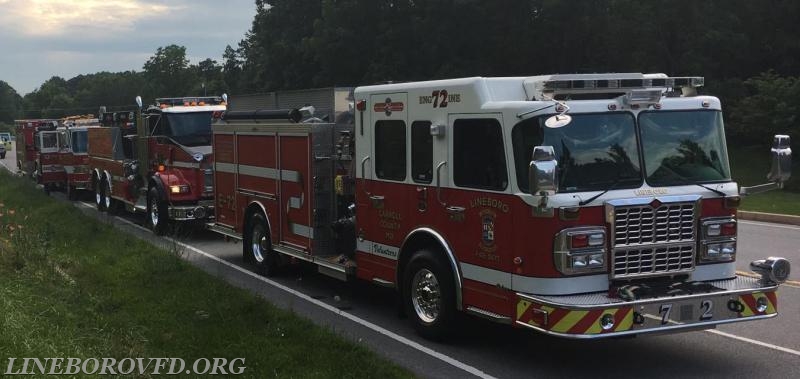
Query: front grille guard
x=652, y=236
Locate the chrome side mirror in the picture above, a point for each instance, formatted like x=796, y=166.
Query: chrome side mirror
x=543, y=171
x=781, y=151
x=781, y=167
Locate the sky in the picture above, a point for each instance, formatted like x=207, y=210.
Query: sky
x=40, y=39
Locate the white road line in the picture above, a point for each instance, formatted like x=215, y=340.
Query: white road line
x=770, y=225
x=755, y=342
x=452, y=361
x=399, y=338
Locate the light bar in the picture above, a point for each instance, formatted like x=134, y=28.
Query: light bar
x=624, y=84
x=173, y=101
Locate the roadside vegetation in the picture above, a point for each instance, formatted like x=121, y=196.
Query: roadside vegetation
x=71, y=286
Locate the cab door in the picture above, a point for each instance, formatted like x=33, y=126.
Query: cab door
x=477, y=203
x=382, y=202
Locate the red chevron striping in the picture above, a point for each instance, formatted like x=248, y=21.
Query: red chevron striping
x=773, y=298
x=556, y=316
x=622, y=313
x=585, y=322
x=750, y=302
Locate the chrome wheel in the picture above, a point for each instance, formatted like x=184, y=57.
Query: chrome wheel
x=426, y=295
x=107, y=197
x=154, y=211
x=98, y=196
x=258, y=243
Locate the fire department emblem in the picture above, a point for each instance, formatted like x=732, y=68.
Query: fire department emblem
x=389, y=106
x=487, y=225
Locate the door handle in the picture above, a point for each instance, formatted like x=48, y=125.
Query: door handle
x=376, y=201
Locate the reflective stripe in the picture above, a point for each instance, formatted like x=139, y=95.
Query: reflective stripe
x=260, y=172
x=301, y=230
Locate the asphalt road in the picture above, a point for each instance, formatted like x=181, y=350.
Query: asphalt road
x=368, y=315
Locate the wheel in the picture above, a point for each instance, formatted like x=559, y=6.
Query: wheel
x=257, y=248
x=157, y=217
x=72, y=193
x=108, y=201
x=99, y=195
x=429, y=295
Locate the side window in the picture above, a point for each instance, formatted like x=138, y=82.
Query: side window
x=390, y=149
x=479, y=158
x=421, y=152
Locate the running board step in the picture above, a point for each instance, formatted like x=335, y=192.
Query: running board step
x=489, y=315
x=224, y=230
x=341, y=271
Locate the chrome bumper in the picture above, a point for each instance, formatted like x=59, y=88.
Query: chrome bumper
x=201, y=211
x=597, y=315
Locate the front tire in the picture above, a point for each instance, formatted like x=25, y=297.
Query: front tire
x=257, y=247
x=157, y=216
x=429, y=295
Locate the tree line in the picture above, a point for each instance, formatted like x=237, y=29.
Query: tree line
x=747, y=51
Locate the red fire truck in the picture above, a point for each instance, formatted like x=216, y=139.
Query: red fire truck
x=156, y=160
x=580, y=206
x=75, y=160
x=39, y=149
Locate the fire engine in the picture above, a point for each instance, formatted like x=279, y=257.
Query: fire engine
x=579, y=206
x=156, y=160
x=75, y=159
x=39, y=146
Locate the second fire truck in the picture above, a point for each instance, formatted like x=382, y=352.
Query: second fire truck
x=157, y=160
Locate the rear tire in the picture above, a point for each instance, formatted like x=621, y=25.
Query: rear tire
x=429, y=295
x=99, y=195
x=157, y=216
x=257, y=247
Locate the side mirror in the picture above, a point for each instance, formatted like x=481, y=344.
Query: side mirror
x=781, y=151
x=781, y=169
x=543, y=171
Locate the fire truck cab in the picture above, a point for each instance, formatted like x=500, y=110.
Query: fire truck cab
x=39, y=145
x=580, y=206
x=157, y=160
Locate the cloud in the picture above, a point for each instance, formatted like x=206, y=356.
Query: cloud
x=43, y=38
x=42, y=18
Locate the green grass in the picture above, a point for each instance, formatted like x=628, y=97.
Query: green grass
x=749, y=166
x=71, y=286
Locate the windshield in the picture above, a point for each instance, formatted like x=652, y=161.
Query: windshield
x=594, y=151
x=683, y=147
x=189, y=129
x=79, y=141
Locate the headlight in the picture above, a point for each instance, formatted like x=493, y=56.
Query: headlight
x=580, y=250
x=179, y=189
x=718, y=240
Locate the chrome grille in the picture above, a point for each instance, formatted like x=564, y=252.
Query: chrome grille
x=644, y=225
x=653, y=260
x=653, y=239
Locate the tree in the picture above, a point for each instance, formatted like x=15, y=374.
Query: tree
x=167, y=72
x=10, y=103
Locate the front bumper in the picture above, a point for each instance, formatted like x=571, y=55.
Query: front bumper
x=200, y=211
x=598, y=315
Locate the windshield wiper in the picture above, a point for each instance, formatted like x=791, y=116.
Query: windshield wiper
x=685, y=181
x=610, y=187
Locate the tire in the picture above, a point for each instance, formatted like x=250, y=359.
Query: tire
x=99, y=195
x=157, y=216
x=429, y=295
x=257, y=247
x=72, y=193
x=108, y=202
